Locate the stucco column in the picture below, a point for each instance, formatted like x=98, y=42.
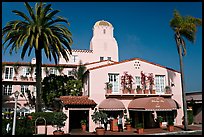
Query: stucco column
x=91, y=123
x=66, y=127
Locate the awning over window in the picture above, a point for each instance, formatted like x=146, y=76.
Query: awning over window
x=111, y=104
x=153, y=104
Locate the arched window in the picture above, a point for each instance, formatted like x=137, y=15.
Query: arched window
x=104, y=31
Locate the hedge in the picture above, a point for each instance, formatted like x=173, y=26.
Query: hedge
x=23, y=126
x=190, y=117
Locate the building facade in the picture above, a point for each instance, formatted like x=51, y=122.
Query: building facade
x=124, y=97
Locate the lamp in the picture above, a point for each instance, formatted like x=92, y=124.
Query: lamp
x=16, y=94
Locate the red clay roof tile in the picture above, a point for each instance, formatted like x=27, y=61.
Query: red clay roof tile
x=77, y=100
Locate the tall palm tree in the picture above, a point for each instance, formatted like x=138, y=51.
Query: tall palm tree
x=184, y=27
x=41, y=31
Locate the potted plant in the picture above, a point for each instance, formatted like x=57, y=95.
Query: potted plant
x=143, y=82
x=167, y=90
x=128, y=124
x=24, y=77
x=139, y=90
x=191, y=104
x=109, y=87
x=151, y=83
x=160, y=120
x=99, y=117
x=83, y=125
x=59, y=121
x=170, y=125
x=140, y=128
x=126, y=82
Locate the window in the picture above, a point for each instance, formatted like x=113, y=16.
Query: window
x=7, y=89
x=101, y=58
x=104, y=31
x=9, y=73
x=70, y=72
x=159, y=83
x=109, y=58
x=114, y=80
x=35, y=72
x=53, y=71
x=24, y=88
x=74, y=58
x=137, y=81
x=25, y=71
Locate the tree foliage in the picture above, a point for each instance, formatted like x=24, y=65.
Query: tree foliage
x=56, y=86
x=41, y=31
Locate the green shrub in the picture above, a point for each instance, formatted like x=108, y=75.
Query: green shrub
x=190, y=116
x=4, y=124
x=47, y=115
x=139, y=125
x=23, y=126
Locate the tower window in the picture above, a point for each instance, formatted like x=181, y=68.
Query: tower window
x=101, y=58
x=104, y=31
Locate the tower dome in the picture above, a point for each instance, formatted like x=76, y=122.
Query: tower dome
x=102, y=23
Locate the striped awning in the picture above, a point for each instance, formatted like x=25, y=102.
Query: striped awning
x=111, y=104
x=153, y=104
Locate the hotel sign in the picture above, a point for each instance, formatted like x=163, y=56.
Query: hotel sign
x=157, y=102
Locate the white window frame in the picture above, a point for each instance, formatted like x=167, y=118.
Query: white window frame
x=160, y=82
x=75, y=58
x=53, y=71
x=70, y=72
x=101, y=58
x=7, y=90
x=138, y=81
x=115, y=88
x=24, y=88
x=9, y=73
x=108, y=58
x=25, y=71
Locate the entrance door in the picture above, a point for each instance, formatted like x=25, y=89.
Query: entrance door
x=75, y=117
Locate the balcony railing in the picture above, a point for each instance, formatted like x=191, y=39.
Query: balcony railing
x=140, y=92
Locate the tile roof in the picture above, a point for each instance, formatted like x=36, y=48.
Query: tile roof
x=77, y=100
x=98, y=62
x=197, y=96
x=43, y=65
x=82, y=50
x=124, y=61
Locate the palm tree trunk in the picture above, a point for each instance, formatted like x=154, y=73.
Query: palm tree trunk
x=38, y=79
x=183, y=89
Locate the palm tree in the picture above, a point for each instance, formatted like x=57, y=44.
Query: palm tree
x=79, y=72
x=39, y=32
x=184, y=27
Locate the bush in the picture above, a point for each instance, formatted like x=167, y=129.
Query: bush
x=4, y=124
x=23, y=126
x=190, y=117
x=49, y=116
x=139, y=125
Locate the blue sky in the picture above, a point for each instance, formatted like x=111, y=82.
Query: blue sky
x=140, y=28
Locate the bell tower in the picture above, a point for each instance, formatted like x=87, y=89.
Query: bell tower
x=103, y=43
